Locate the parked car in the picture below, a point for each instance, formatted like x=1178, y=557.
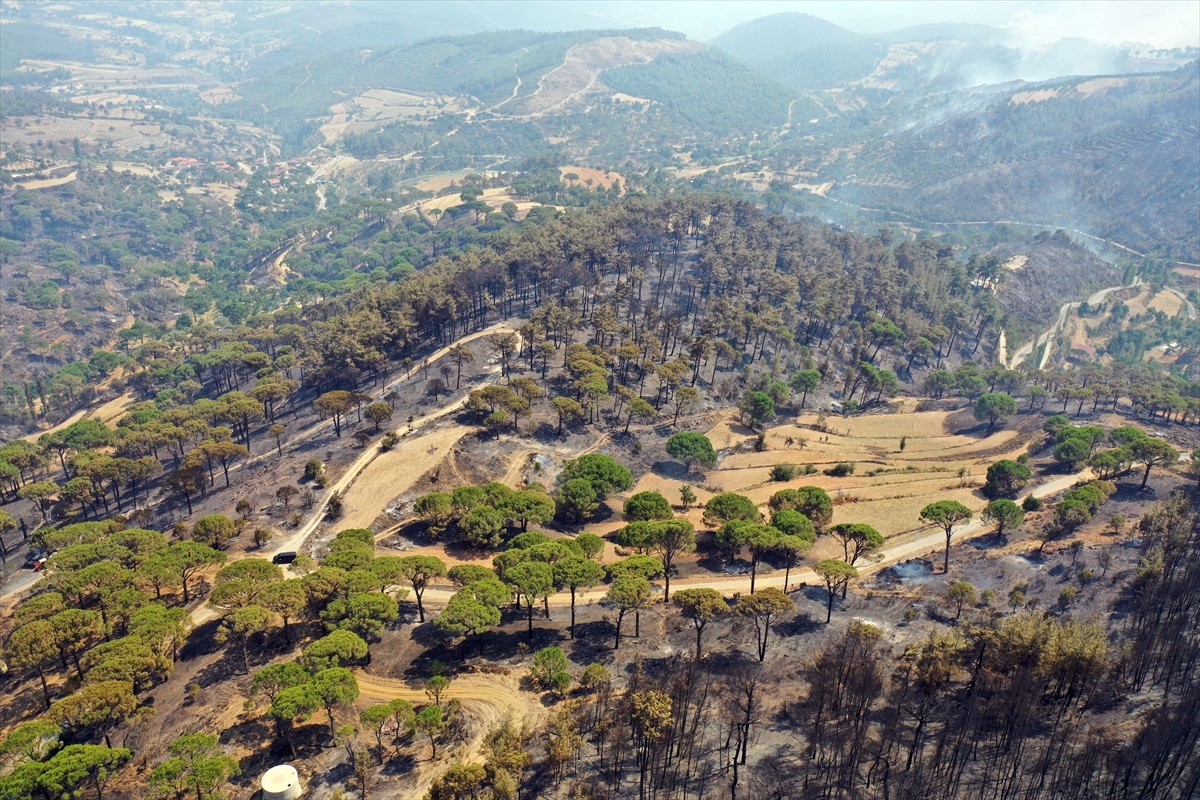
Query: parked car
x=286, y=557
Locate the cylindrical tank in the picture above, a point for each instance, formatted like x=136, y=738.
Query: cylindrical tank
x=281, y=783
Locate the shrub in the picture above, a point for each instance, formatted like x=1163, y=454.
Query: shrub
x=1031, y=503
x=333, y=509
x=313, y=469
x=594, y=675
x=840, y=470
x=549, y=670
x=784, y=472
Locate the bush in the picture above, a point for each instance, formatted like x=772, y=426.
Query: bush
x=1031, y=503
x=333, y=509
x=313, y=469
x=840, y=470
x=784, y=472
x=594, y=676
x=549, y=671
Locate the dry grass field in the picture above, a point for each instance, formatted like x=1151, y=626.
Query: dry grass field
x=378, y=107
x=890, y=500
x=493, y=197
x=592, y=178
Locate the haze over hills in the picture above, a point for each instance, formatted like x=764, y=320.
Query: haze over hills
x=1115, y=156
x=921, y=119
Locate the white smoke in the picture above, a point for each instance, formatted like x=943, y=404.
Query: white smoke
x=1157, y=24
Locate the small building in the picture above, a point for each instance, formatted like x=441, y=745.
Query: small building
x=281, y=783
x=1082, y=353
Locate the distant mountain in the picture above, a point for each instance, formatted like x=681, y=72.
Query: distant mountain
x=801, y=51
x=808, y=53
x=644, y=94
x=483, y=66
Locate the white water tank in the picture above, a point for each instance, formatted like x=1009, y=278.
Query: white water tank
x=281, y=783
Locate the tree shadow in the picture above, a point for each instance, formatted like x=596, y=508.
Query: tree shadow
x=229, y=665
x=467, y=551
x=800, y=625
x=661, y=666
x=671, y=469
x=742, y=430
x=1132, y=492
x=201, y=641
x=593, y=641
x=310, y=740
x=722, y=662
x=492, y=646
x=427, y=635
x=399, y=764
x=339, y=774
x=989, y=541
x=250, y=735
x=545, y=432
x=714, y=561
x=416, y=532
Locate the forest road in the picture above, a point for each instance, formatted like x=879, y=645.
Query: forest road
x=413, y=437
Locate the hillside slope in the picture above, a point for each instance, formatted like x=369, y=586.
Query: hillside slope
x=1114, y=156
x=800, y=50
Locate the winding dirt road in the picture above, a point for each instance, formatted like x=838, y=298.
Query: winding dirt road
x=1047, y=336
x=413, y=439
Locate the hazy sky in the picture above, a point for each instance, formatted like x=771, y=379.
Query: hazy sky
x=1163, y=23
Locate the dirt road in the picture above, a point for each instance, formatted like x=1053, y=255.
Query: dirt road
x=379, y=480
x=413, y=440
x=106, y=413
x=394, y=472
x=1047, y=336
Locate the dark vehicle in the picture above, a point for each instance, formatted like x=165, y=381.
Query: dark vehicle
x=34, y=561
x=286, y=557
